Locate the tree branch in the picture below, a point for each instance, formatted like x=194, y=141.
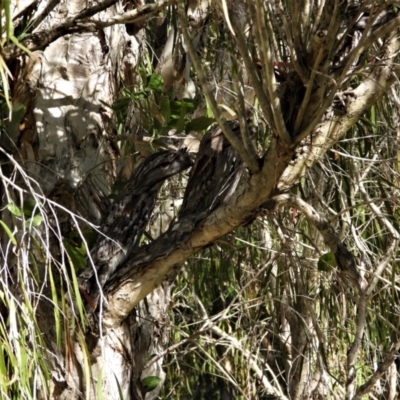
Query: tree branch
x=294, y=41
x=140, y=14
x=345, y=259
x=249, y=64
x=152, y=264
x=330, y=130
x=382, y=368
x=379, y=33
x=258, y=15
x=352, y=352
x=235, y=142
x=44, y=13
x=80, y=23
x=371, y=89
x=241, y=112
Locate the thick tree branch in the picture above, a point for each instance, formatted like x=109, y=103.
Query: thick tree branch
x=80, y=23
x=152, y=264
x=44, y=13
x=27, y=10
x=281, y=169
x=128, y=217
x=140, y=14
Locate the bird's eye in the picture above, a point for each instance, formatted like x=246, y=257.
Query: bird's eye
x=164, y=165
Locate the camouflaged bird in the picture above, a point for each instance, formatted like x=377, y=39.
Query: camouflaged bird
x=212, y=181
x=214, y=176
x=127, y=218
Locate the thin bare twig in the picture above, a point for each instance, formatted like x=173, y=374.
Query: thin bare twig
x=241, y=110
x=353, y=350
x=344, y=258
x=251, y=163
x=321, y=46
x=251, y=359
x=269, y=74
x=384, y=221
x=249, y=64
x=294, y=41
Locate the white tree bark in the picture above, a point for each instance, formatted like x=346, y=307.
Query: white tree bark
x=67, y=143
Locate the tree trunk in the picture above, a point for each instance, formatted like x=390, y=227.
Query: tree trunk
x=67, y=144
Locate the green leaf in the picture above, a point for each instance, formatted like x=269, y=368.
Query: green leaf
x=139, y=95
x=155, y=81
x=327, y=262
x=373, y=116
x=180, y=126
x=183, y=105
x=88, y=234
x=39, y=253
x=76, y=254
x=35, y=221
x=119, y=388
x=18, y=113
x=14, y=209
x=56, y=310
x=199, y=124
x=190, y=105
x=150, y=383
x=105, y=104
x=121, y=104
x=8, y=232
x=165, y=110
x=157, y=125
x=99, y=386
x=30, y=206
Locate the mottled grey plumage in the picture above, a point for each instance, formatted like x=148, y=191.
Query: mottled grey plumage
x=215, y=174
x=128, y=216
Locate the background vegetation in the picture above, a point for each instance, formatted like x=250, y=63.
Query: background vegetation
x=265, y=311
